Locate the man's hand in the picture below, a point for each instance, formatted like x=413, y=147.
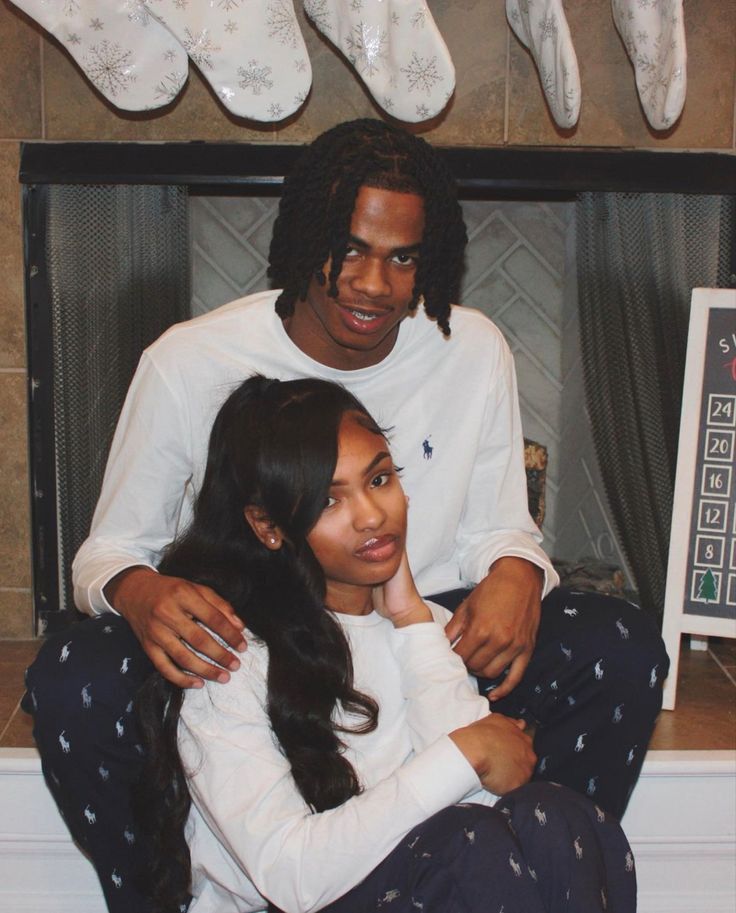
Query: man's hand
x=497, y=624
x=163, y=611
x=398, y=598
x=499, y=750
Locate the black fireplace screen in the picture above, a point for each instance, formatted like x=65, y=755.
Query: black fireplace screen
x=113, y=265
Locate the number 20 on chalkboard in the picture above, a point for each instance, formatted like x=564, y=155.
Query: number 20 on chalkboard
x=701, y=571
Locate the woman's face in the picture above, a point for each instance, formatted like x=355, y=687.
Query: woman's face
x=360, y=536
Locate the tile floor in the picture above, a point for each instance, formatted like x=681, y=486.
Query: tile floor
x=705, y=717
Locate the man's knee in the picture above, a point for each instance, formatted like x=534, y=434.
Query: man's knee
x=92, y=670
x=634, y=650
x=624, y=637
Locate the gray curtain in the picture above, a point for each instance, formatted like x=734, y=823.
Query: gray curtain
x=118, y=267
x=638, y=258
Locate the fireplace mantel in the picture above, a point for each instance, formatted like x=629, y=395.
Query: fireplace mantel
x=507, y=173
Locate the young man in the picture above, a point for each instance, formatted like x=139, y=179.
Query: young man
x=368, y=250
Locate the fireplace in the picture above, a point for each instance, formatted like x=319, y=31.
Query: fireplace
x=124, y=239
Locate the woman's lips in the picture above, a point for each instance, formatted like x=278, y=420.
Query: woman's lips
x=379, y=549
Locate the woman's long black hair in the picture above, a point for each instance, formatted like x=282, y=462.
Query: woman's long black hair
x=274, y=446
x=318, y=200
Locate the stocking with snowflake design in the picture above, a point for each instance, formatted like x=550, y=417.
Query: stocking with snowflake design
x=129, y=57
x=396, y=49
x=541, y=26
x=251, y=52
x=653, y=32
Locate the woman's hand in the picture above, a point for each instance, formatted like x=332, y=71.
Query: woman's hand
x=398, y=599
x=499, y=750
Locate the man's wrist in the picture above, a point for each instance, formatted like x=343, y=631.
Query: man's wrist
x=114, y=589
x=517, y=564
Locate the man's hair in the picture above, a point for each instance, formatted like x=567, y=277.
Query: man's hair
x=318, y=202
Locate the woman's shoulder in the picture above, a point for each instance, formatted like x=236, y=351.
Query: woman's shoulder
x=242, y=694
x=254, y=661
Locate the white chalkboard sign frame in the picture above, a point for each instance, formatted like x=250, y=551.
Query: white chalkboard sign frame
x=676, y=620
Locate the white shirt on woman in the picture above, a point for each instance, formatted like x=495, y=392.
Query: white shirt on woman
x=250, y=833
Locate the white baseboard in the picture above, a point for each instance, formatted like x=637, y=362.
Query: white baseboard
x=681, y=823
x=52, y=903
x=41, y=869
x=669, y=902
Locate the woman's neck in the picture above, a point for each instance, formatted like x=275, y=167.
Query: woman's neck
x=348, y=599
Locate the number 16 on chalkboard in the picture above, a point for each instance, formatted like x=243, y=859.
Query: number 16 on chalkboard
x=701, y=571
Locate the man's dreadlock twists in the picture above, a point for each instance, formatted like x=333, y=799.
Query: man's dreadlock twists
x=318, y=202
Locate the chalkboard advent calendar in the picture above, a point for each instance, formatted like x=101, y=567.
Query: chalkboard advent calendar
x=701, y=572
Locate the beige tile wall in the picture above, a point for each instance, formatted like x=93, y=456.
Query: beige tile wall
x=43, y=96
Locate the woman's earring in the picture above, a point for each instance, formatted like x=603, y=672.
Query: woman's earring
x=272, y=540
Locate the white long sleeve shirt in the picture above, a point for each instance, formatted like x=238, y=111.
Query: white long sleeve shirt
x=250, y=833
x=450, y=406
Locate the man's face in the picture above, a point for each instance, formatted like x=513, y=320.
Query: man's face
x=360, y=326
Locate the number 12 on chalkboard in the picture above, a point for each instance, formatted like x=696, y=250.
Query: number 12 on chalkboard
x=701, y=571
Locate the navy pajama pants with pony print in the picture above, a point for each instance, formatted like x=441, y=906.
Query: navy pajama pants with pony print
x=593, y=689
x=540, y=849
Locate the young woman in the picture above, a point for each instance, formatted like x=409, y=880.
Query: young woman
x=326, y=774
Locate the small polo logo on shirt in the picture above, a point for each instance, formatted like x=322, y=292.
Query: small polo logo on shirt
x=428, y=448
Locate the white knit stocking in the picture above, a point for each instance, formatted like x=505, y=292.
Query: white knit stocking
x=541, y=26
x=395, y=48
x=653, y=32
x=250, y=51
x=124, y=52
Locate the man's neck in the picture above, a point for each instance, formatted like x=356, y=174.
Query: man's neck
x=311, y=340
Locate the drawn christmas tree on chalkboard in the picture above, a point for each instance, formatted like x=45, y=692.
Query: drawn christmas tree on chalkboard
x=707, y=589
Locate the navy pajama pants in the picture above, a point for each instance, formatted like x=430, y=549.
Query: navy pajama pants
x=540, y=849
x=593, y=689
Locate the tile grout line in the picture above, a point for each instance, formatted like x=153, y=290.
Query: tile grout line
x=10, y=720
x=42, y=87
x=722, y=667
x=507, y=92
x=733, y=124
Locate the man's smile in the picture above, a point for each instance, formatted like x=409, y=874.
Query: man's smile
x=364, y=320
